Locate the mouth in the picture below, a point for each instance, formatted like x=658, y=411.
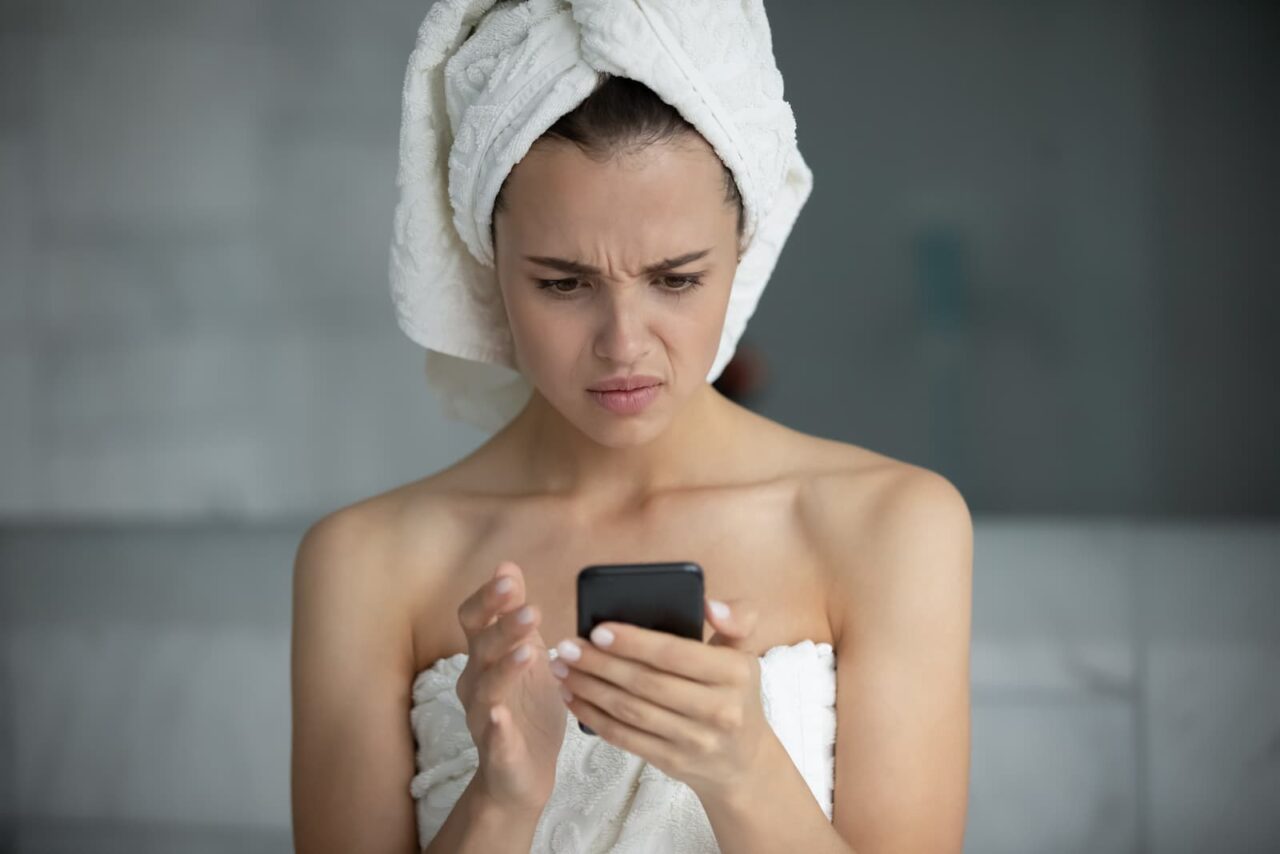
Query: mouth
x=626, y=383
x=627, y=401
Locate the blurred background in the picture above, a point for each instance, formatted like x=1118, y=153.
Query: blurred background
x=1040, y=258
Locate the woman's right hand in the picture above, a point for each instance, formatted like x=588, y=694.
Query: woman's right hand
x=518, y=750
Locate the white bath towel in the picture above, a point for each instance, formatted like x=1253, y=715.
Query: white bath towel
x=473, y=104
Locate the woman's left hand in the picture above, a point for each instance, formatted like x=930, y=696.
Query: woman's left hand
x=691, y=709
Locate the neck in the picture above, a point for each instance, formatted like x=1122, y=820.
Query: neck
x=554, y=456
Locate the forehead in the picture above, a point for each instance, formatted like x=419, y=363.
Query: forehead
x=661, y=189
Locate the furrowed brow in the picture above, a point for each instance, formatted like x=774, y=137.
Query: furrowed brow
x=567, y=266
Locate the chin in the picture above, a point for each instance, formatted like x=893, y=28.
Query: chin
x=614, y=431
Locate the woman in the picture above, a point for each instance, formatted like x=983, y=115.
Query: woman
x=616, y=243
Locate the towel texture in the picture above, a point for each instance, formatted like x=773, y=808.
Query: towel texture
x=486, y=79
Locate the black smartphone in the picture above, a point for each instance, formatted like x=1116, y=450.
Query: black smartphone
x=664, y=597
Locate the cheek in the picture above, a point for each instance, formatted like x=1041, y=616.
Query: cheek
x=700, y=328
x=546, y=341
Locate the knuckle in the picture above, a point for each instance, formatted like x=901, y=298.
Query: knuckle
x=727, y=718
x=644, y=684
x=667, y=655
x=630, y=712
x=705, y=744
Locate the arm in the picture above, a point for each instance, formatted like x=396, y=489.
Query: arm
x=902, y=682
x=352, y=669
x=477, y=826
x=774, y=811
x=902, y=679
x=902, y=656
x=352, y=748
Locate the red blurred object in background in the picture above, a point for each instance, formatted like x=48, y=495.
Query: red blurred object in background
x=744, y=377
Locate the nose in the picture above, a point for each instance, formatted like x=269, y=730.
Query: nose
x=623, y=337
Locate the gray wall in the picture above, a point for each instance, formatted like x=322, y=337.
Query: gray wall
x=1216, y=203
x=1036, y=257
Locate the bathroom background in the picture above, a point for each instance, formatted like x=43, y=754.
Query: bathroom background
x=1039, y=258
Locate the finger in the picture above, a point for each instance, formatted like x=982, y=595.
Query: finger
x=491, y=643
x=662, y=753
x=495, y=680
x=636, y=650
x=734, y=623
x=480, y=608
x=689, y=698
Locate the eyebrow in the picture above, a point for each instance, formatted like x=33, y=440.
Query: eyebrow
x=567, y=266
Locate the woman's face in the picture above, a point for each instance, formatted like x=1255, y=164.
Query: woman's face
x=575, y=327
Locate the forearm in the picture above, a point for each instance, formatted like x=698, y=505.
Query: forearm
x=773, y=811
x=479, y=826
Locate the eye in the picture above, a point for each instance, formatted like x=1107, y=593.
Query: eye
x=672, y=284
x=554, y=284
x=687, y=283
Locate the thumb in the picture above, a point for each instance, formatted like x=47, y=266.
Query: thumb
x=734, y=622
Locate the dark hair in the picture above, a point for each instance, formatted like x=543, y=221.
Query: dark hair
x=622, y=115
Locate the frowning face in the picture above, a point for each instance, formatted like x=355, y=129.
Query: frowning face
x=616, y=268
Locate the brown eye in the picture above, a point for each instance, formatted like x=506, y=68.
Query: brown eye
x=553, y=285
x=683, y=283
x=671, y=284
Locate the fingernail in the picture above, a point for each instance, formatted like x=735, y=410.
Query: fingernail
x=720, y=609
x=504, y=584
x=569, y=650
x=601, y=636
x=524, y=615
x=560, y=669
x=566, y=693
x=521, y=653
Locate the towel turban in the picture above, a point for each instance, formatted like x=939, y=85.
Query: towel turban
x=486, y=79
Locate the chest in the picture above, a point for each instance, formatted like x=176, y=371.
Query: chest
x=750, y=544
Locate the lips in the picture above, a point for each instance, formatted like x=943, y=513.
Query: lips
x=630, y=383
x=627, y=402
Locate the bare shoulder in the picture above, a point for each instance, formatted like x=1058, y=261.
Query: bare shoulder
x=898, y=541
x=385, y=558
x=344, y=580
x=359, y=573
x=352, y=660
x=878, y=523
x=383, y=542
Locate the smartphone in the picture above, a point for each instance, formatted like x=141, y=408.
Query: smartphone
x=664, y=597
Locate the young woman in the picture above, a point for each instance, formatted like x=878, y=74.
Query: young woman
x=429, y=704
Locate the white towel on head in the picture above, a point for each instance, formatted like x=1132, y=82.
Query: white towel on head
x=474, y=102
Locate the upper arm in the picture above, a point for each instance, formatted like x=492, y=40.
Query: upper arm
x=351, y=664
x=902, y=658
